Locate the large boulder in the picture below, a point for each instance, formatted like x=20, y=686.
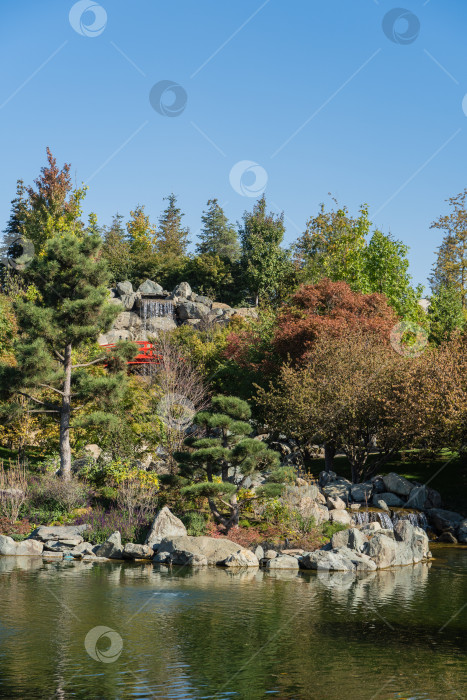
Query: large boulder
x=352, y=539
x=337, y=489
x=361, y=492
x=417, y=498
x=462, y=532
x=62, y=545
x=45, y=533
x=192, y=310
x=124, y=288
x=442, y=520
x=182, y=290
x=182, y=548
x=337, y=560
x=340, y=516
x=414, y=544
x=165, y=525
x=137, y=551
x=26, y=548
x=244, y=557
x=150, y=288
x=335, y=503
x=382, y=550
x=397, y=484
x=389, y=498
x=284, y=561
x=200, y=299
x=112, y=547
x=128, y=301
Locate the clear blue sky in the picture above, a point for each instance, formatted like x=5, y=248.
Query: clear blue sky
x=313, y=91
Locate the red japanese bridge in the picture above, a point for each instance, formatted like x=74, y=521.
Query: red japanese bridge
x=147, y=354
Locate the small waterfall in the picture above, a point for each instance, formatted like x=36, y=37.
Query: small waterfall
x=387, y=521
x=154, y=308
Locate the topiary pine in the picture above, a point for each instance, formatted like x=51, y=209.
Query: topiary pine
x=218, y=464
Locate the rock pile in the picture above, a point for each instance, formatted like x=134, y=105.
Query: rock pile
x=151, y=309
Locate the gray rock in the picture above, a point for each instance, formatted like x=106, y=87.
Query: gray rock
x=83, y=549
x=447, y=538
x=165, y=525
x=7, y=545
x=58, y=532
x=137, y=551
x=128, y=301
x=337, y=560
x=326, y=478
x=151, y=288
x=124, y=288
x=442, y=520
x=122, y=321
x=389, y=498
x=379, y=503
x=182, y=290
x=270, y=554
x=259, y=552
x=462, y=532
x=361, y=492
x=382, y=550
x=181, y=548
x=378, y=484
x=397, y=484
x=417, y=498
x=192, y=310
x=340, y=516
x=337, y=490
x=284, y=561
x=370, y=528
x=62, y=545
x=352, y=539
x=161, y=558
x=52, y=555
x=335, y=503
x=111, y=548
x=244, y=557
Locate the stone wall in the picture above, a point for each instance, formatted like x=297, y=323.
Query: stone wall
x=151, y=309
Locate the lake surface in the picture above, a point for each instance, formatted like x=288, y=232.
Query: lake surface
x=190, y=633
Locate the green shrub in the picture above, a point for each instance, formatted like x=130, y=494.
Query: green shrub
x=195, y=523
x=329, y=529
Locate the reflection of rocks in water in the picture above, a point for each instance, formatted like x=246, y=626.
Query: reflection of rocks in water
x=282, y=574
x=244, y=575
x=403, y=584
x=23, y=563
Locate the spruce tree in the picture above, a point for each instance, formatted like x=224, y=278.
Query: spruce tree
x=220, y=462
x=172, y=238
x=450, y=269
x=445, y=314
x=116, y=250
x=56, y=328
x=265, y=265
x=218, y=236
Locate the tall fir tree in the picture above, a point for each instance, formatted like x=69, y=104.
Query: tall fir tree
x=450, y=269
x=266, y=267
x=172, y=237
x=445, y=314
x=218, y=236
x=116, y=250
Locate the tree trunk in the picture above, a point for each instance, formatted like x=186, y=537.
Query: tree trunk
x=65, y=413
x=329, y=452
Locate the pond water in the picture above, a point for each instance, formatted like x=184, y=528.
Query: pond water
x=83, y=630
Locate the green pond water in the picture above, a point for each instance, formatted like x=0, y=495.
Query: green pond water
x=83, y=630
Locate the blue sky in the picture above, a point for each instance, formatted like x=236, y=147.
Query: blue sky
x=312, y=91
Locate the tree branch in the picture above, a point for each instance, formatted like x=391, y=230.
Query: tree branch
x=59, y=355
x=42, y=403
x=46, y=386
x=87, y=364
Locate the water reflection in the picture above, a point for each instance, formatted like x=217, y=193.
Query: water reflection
x=193, y=633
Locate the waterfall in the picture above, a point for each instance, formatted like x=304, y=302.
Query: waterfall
x=153, y=308
x=387, y=521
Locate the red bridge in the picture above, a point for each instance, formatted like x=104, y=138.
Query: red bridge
x=146, y=356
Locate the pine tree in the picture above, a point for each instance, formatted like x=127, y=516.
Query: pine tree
x=450, y=269
x=217, y=236
x=266, y=266
x=172, y=238
x=66, y=315
x=116, y=250
x=224, y=448
x=445, y=314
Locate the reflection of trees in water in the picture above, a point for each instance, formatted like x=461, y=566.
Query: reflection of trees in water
x=194, y=631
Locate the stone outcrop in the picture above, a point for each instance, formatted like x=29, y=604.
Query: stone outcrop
x=111, y=548
x=25, y=548
x=137, y=551
x=244, y=557
x=151, y=309
x=165, y=525
x=181, y=549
